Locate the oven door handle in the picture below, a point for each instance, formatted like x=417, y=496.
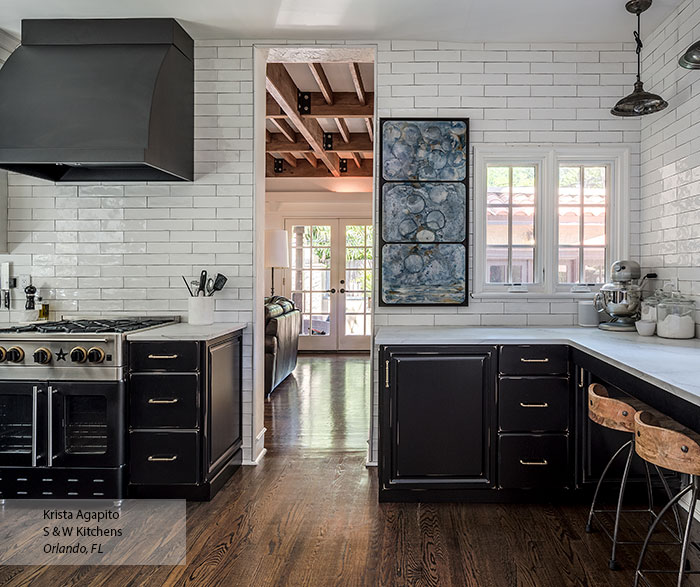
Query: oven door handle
x=162, y=401
x=35, y=420
x=51, y=391
x=162, y=356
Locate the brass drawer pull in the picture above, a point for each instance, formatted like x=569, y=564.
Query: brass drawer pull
x=542, y=405
x=523, y=360
x=154, y=459
x=541, y=463
x=163, y=401
x=162, y=356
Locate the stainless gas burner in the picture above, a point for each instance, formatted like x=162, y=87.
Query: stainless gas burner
x=80, y=349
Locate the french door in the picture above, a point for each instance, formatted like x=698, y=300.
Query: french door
x=331, y=281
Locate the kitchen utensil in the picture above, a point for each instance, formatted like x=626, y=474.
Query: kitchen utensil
x=645, y=327
x=620, y=299
x=189, y=289
x=210, y=287
x=202, y=283
x=219, y=282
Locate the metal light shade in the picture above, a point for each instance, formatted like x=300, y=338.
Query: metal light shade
x=691, y=58
x=639, y=103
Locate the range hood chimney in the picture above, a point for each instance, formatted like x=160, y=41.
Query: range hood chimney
x=99, y=100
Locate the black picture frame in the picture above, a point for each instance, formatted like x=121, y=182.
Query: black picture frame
x=380, y=232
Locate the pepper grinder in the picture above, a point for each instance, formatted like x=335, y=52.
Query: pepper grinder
x=30, y=291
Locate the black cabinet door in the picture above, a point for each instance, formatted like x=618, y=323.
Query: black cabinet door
x=439, y=423
x=223, y=434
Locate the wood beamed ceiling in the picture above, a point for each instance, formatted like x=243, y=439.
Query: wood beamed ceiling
x=309, y=134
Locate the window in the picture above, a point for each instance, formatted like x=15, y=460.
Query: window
x=510, y=224
x=583, y=201
x=548, y=220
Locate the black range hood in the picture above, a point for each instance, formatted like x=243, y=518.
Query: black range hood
x=99, y=100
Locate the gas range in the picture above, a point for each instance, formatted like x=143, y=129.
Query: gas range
x=81, y=349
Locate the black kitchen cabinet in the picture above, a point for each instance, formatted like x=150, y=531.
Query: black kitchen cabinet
x=437, y=421
x=185, y=425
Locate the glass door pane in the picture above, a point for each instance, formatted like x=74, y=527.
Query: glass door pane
x=313, y=277
x=356, y=287
x=86, y=425
x=15, y=424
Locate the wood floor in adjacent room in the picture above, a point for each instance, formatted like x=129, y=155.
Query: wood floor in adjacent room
x=308, y=515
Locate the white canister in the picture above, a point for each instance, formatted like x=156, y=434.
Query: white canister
x=200, y=310
x=588, y=316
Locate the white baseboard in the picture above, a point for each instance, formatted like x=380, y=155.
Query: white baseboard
x=371, y=463
x=256, y=462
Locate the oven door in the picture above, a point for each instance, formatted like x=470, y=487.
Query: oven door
x=86, y=424
x=22, y=423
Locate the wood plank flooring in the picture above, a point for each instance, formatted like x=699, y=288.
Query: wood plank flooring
x=308, y=515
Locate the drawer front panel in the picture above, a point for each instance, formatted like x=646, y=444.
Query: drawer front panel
x=164, y=400
x=533, y=461
x=536, y=359
x=164, y=457
x=178, y=356
x=533, y=405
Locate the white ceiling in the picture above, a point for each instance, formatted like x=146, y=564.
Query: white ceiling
x=449, y=20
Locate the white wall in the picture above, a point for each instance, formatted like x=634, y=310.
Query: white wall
x=670, y=148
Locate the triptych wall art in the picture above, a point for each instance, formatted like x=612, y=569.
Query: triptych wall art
x=423, y=212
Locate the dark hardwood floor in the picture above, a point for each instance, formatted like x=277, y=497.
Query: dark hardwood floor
x=308, y=515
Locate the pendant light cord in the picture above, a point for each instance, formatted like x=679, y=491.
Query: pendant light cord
x=638, y=40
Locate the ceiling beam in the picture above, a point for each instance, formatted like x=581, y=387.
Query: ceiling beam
x=343, y=128
x=359, y=142
x=370, y=128
x=305, y=169
x=345, y=105
x=320, y=55
x=288, y=157
x=322, y=81
x=357, y=81
x=357, y=158
x=284, y=127
x=282, y=88
x=268, y=136
x=311, y=158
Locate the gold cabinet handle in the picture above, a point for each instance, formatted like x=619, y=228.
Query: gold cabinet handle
x=155, y=459
x=162, y=401
x=524, y=360
x=162, y=356
x=542, y=405
x=541, y=463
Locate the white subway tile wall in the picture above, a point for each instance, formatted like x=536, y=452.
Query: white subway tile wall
x=670, y=151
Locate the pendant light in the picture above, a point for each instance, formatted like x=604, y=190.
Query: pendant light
x=691, y=58
x=639, y=102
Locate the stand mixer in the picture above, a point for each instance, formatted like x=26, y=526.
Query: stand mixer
x=621, y=299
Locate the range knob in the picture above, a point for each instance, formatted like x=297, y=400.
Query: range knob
x=96, y=355
x=78, y=355
x=3, y=354
x=42, y=356
x=15, y=354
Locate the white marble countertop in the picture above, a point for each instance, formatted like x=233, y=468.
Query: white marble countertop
x=672, y=365
x=185, y=331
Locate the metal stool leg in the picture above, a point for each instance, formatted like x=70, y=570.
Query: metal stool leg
x=667, y=507
x=623, y=484
x=688, y=525
x=650, y=493
x=669, y=494
x=589, y=527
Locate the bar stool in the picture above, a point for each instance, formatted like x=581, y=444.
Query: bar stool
x=664, y=443
x=616, y=414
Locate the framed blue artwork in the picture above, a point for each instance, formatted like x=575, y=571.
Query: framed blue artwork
x=423, y=212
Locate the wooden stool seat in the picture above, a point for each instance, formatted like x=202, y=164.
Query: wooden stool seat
x=613, y=413
x=666, y=443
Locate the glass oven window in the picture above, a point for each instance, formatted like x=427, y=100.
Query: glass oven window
x=86, y=425
x=15, y=424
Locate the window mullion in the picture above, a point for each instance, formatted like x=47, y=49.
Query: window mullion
x=581, y=279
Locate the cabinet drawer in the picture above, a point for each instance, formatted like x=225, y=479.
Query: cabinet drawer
x=164, y=457
x=533, y=404
x=179, y=356
x=164, y=400
x=527, y=461
x=538, y=359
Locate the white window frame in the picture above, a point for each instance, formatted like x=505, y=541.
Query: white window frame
x=548, y=160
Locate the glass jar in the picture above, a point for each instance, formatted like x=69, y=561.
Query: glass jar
x=648, y=312
x=675, y=317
